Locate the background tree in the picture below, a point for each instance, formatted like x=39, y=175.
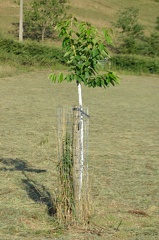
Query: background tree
x=130, y=31
x=153, y=44
x=157, y=23
x=41, y=16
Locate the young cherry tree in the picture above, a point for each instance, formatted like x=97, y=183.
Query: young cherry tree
x=84, y=48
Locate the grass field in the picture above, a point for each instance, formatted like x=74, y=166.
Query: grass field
x=123, y=158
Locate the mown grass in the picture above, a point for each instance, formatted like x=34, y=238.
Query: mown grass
x=123, y=158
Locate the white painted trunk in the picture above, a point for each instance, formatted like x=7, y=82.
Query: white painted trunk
x=79, y=94
x=21, y=22
x=81, y=160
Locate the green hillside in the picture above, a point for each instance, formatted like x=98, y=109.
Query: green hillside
x=103, y=12
x=99, y=12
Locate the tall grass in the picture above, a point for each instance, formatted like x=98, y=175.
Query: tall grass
x=72, y=201
x=66, y=201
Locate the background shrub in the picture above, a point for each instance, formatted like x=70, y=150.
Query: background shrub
x=136, y=63
x=29, y=53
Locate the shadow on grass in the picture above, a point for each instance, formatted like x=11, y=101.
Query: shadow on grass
x=18, y=165
x=37, y=192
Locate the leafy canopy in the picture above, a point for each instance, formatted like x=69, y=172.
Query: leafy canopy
x=130, y=35
x=84, y=48
x=128, y=22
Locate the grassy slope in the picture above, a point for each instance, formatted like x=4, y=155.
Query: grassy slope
x=103, y=12
x=123, y=157
x=9, y=13
x=99, y=12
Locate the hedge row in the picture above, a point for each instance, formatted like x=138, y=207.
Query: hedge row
x=136, y=63
x=36, y=54
x=29, y=53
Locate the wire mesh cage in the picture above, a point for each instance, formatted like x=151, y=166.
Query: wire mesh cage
x=73, y=139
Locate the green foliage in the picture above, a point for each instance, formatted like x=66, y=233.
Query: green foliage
x=84, y=48
x=128, y=22
x=153, y=43
x=29, y=53
x=131, y=38
x=147, y=46
x=130, y=31
x=35, y=54
x=136, y=63
x=41, y=16
x=157, y=22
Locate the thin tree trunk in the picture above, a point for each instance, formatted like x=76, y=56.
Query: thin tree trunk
x=43, y=34
x=79, y=94
x=81, y=154
x=21, y=22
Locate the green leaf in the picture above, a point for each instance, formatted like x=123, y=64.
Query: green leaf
x=68, y=79
x=109, y=40
x=108, y=37
x=95, y=52
x=86, y=74
x=53, y=77
x=104, y=53
x=67, y=53
x=78, y=78
x=101, y=47
x=60, y=77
